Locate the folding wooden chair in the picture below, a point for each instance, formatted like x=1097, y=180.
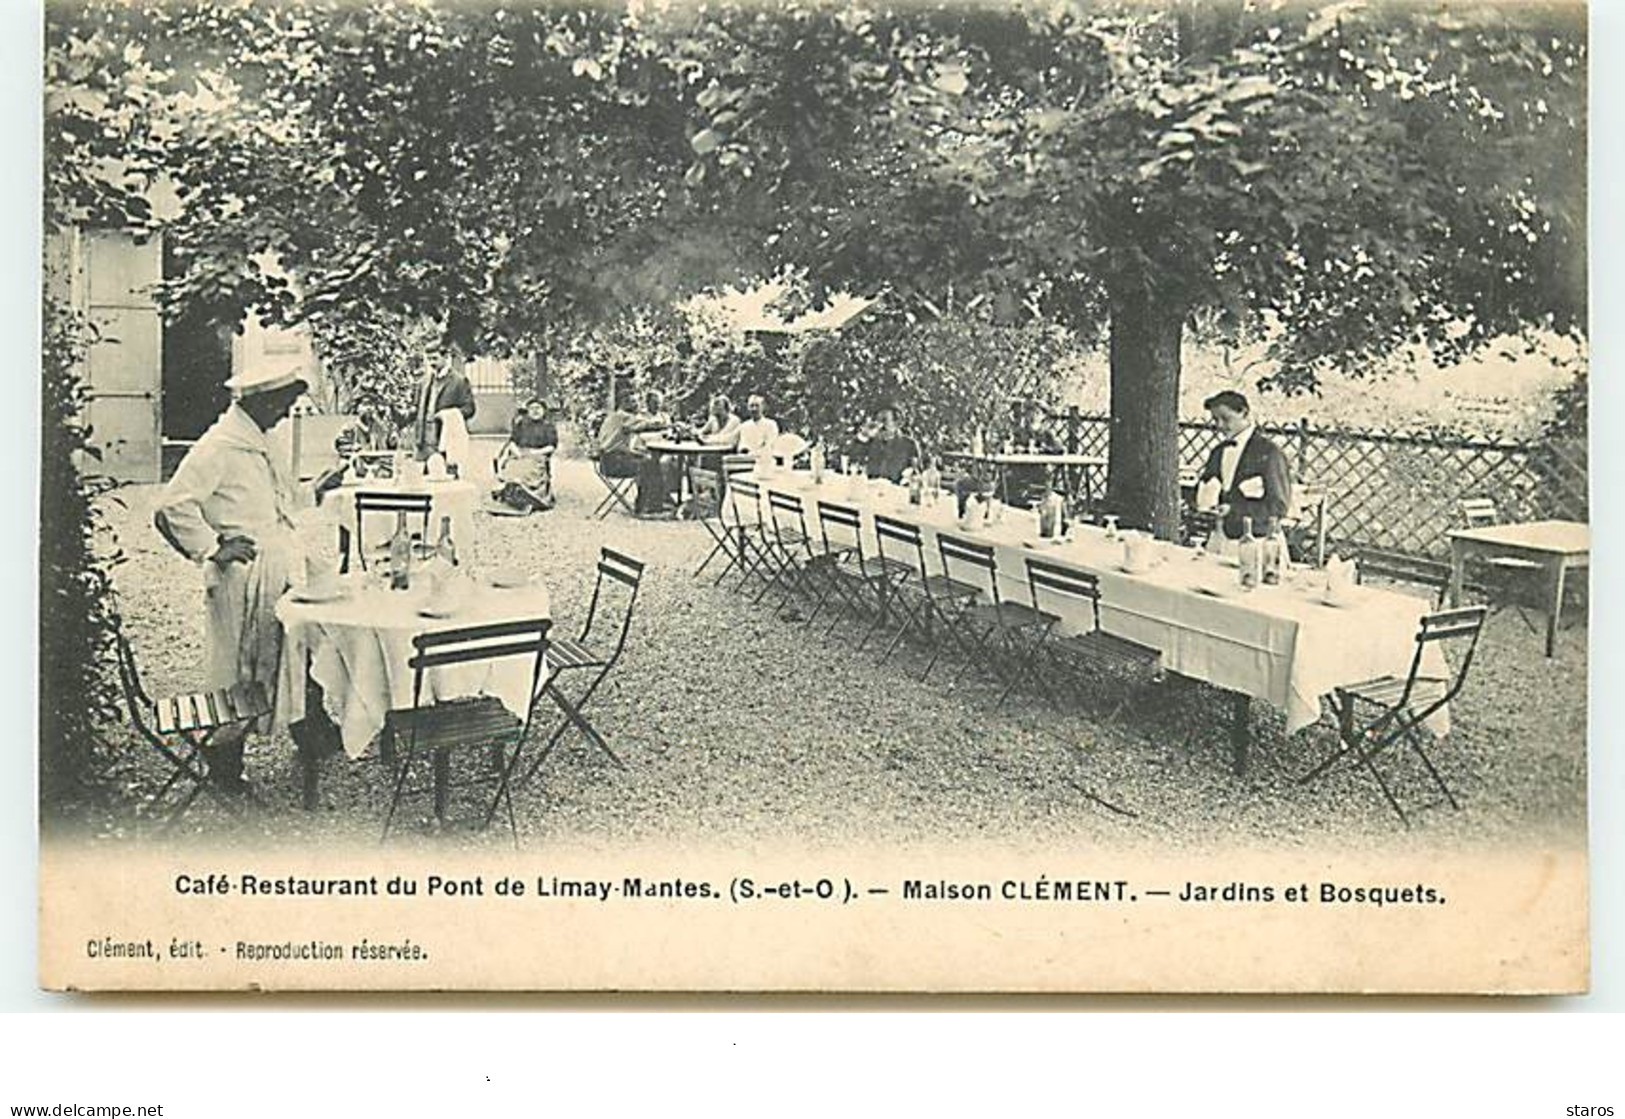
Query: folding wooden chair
x=987, y=617
x=616, y=491
x=1506, y=576
x=726, y=535
x=180, y=728
x=1376, y=714
x=847, y=576
x=380, y=501
x=582, y=655
x=1086, y=653
x=789, y=546
x=917, y=599
x=439, y=728
x=749, y=532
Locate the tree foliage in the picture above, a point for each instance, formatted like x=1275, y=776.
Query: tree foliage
x=1344, y=181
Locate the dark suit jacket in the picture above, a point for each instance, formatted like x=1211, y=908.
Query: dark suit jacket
x=453, y=392
x=1261, y=459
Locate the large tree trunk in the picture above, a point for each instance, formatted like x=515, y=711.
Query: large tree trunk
x=1143, y=470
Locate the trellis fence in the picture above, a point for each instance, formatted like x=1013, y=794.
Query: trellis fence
x=1399, y=491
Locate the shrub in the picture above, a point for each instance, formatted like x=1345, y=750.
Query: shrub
x=78, y=685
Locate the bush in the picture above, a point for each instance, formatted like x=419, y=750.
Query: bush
x=944, y=378
x=79, y=692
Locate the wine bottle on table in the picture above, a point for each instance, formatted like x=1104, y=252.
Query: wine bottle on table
x=445, y=549
x=1250, y=555
x=400, y=555
x=1270, y=562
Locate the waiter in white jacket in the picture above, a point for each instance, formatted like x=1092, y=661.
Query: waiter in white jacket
x=229, y=509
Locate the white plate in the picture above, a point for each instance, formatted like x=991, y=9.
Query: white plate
x=312, y=597
x=509, y=582
x=1216, y=591
x=1127, y=570
x=430, y=610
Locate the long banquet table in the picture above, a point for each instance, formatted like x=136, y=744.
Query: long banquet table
x=1281, y=644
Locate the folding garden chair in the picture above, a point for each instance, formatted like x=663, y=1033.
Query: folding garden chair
x=789, y=546
x=919, y=601
x=1092, y=651
x=987, y=618
x=379, y=501
x=1506, y=578
x=726, y=535
x=847, y=576
x=584, y=656
x=1377, y=714
x=617, y=489
x=436, y=729
x=180, y=728
x=749, y=532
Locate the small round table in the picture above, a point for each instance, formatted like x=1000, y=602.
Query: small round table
x=357, y=647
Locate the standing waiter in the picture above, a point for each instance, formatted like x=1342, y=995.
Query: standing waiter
x=443, y=388
x=1251, y=470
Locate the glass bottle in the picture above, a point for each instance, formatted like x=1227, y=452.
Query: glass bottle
x=1250, y=551
x=916, y=486
x=816, y=456
x=400, y=555
x=1272, y=554
x=445, y=549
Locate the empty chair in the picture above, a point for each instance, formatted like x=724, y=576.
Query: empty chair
x=842, y=566
x=1376, y=715
x=931, y=602
x=748, y=531
x=435, y=729
x=1088, y=653
x=725, y=529
x=1505, y=577
x=591, y=655
x=791, y=546
x=179, y=728
x=999, y=635
x=385, y=502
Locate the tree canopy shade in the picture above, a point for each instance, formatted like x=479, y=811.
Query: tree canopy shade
x=1352, y=180
x=1347, y=180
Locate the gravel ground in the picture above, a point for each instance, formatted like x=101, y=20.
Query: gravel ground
x=740, y=728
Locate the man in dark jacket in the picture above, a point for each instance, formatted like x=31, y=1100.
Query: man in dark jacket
x=1254, y=481
x=444, y=387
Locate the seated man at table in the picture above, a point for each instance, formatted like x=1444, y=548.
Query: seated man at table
x=620, y=446
x=229, y=509
x=885, y=451
x=1024, y=483
x=757, y=432
x=1254, y=481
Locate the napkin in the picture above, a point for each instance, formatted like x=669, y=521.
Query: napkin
x=453, y=436
x=1251, y=488
x=1207, y=493
x=1341, y=577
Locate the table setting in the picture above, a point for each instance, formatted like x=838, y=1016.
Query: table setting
x=353, y=634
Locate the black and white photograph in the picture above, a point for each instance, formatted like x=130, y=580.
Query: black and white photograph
x=923, y=495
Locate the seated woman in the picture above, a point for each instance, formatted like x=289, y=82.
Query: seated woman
x=524, y=466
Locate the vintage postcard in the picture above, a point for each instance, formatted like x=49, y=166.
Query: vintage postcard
x=793, y=496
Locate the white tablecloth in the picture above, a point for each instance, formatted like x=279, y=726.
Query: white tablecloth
x=456, y=498
x=358, y=649
x=1281, y=644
